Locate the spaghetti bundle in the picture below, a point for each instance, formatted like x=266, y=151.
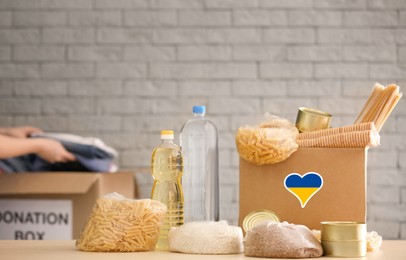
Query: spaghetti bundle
x=379, y=105
x=356, y=139
x=352, y=136
x=337, y=130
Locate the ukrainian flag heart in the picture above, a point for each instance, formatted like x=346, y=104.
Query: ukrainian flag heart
x=303, y=187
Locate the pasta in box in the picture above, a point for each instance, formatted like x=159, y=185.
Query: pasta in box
x=325, y=179
x=270, y=142
x=118, y=224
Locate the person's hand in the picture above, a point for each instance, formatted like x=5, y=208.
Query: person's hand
x=53, y=151
x=21, y=131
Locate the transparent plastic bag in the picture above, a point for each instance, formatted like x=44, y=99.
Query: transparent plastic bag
x=206, y=237
x=119, y=224
x=272, y=141
x=281, y=240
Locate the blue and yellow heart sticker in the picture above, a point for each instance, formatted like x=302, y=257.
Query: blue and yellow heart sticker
x=303, y=187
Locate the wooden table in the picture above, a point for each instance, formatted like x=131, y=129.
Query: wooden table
x=61, y=250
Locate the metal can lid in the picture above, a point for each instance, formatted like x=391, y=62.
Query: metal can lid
x=315, y=112
x=343, y=230
x=258, y=216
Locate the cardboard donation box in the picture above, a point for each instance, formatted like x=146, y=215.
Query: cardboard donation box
x=311, y=186
x=54, y=206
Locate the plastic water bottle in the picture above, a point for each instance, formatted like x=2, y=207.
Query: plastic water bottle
x=167, y=167
x=199, y=144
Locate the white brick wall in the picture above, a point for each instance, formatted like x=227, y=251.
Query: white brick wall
x=125, y=69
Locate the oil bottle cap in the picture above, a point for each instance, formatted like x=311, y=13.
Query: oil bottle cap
x=199, y=109
x=167, y=134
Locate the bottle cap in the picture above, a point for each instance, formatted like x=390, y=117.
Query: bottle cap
x=199, y=109
x=167, y=134
x=256, y=217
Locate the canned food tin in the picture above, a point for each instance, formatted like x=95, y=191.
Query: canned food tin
x=309, y=119
x=355, y=248
x=255, y=217
x=344, y=238
x=343, y=230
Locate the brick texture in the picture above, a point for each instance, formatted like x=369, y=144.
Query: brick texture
x=123, y=70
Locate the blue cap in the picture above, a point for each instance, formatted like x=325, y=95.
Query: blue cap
x=199, y=109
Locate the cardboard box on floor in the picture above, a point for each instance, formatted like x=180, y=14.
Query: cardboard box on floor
x=342, y=196
x=35, y=197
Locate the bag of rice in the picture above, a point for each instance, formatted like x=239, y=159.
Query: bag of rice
x=118, y=224
x=281, y=240
x=207, y=238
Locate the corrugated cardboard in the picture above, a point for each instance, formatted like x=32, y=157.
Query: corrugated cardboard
x=81, y=188
x=341, y=198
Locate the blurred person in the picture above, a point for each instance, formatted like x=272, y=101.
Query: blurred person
x=14, y=142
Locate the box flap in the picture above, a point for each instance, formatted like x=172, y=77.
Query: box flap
x=121, y=182
x=47, y=183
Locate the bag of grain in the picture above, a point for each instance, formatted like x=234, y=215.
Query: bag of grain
x=207, y=238
x=281, y=240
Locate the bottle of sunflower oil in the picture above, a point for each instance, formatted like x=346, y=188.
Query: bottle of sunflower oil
x=167, y=169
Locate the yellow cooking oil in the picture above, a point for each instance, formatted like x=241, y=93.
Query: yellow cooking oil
x=167, y=169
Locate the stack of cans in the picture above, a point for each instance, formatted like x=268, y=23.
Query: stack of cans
x=344, y=239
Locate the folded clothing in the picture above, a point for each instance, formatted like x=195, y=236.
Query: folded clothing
x=76, y=139
x=89, y=157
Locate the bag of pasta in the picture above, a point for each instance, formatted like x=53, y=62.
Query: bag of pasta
x=272, y=141
x=118, y=224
